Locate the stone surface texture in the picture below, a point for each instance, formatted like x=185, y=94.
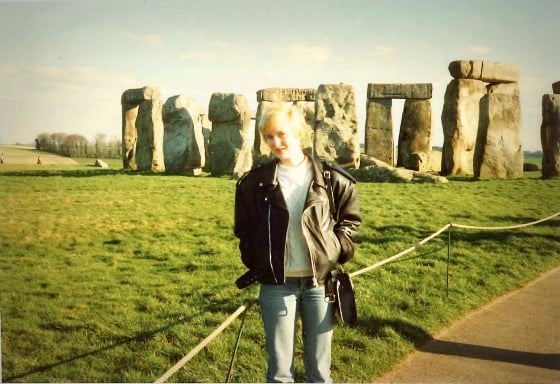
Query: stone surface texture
x=230, y=142
x=498, y=152
x=336, y=128
x=550, y=135
x=183, y=146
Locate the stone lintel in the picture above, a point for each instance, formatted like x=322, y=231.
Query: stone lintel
x=286, y=94
x=556, y=87
x=487, y=71
x=138, y=95
x=399, y=91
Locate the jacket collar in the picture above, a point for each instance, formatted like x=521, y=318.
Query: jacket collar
x=268, y=176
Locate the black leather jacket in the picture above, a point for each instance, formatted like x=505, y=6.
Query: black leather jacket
x=261, y=222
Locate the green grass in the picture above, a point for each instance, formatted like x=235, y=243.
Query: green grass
x=112, y=276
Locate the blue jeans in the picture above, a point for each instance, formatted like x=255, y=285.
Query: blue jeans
x=280, y=307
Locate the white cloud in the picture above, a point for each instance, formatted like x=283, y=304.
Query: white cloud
x=154, y=40
x=383, y=50
x=479, y=49
x=303, y=53
x=148, y=39
x=47, y=80
x=219, y=49
x=198, y=55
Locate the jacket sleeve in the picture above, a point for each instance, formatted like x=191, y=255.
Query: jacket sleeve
x=349, y=218
x=244, y=225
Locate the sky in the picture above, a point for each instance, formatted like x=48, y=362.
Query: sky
x=65, y=64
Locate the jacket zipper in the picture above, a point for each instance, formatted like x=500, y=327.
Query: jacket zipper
x=270, y=246
x=311, y=258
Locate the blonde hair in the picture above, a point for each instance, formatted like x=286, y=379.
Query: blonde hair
x=283, y=113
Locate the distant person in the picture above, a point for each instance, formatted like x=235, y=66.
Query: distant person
x=39, y=160
x=290, y=243
x=2, y=158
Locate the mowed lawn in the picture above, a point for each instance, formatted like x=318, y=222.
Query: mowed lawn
x=110, y=276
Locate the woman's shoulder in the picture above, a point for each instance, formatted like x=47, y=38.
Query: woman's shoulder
x=258, y=173
x=337, y=170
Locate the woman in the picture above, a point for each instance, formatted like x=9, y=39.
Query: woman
x=290, y=242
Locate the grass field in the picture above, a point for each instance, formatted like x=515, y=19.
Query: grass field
x=110, y=276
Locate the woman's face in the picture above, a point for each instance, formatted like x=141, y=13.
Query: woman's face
x=283, y=142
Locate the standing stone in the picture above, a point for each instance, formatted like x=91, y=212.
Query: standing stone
x=498, y=151
x=336, y=129
x=550, y=135
x=229, y=147
x=415, y=135
x=129, y=135
x=142, y=129
x=379, y=130
x=183, y=145
x=556, y=87
x=459, y=119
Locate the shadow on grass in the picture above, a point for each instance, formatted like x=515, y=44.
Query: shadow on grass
x=142, y=336
x=424, y=342
x=222, y=305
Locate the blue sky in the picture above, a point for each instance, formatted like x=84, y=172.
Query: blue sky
x=65, y=64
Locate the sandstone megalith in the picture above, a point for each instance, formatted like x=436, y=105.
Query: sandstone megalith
x=472, y=119
x=142, y=129
x=459, y=118
x=498, y=152
x=416, y=124
x=229, y=147
x=379, y=141
x=336, y=129
x=183, y=144
x=415, y=135
x=550, y=135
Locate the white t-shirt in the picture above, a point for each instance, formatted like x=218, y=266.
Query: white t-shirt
x=294, y=183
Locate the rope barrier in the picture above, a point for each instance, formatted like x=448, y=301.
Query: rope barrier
x=171, y=371
x=507, y=227
x=388, y=260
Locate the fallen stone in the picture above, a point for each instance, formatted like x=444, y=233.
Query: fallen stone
x=374, y=170
x=101, y=164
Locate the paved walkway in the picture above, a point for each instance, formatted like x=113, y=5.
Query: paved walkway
x=514, y=339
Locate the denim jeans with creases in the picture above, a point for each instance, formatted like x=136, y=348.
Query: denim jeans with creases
x=280, y=307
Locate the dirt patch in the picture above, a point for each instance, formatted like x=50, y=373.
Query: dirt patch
x=19, y=154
